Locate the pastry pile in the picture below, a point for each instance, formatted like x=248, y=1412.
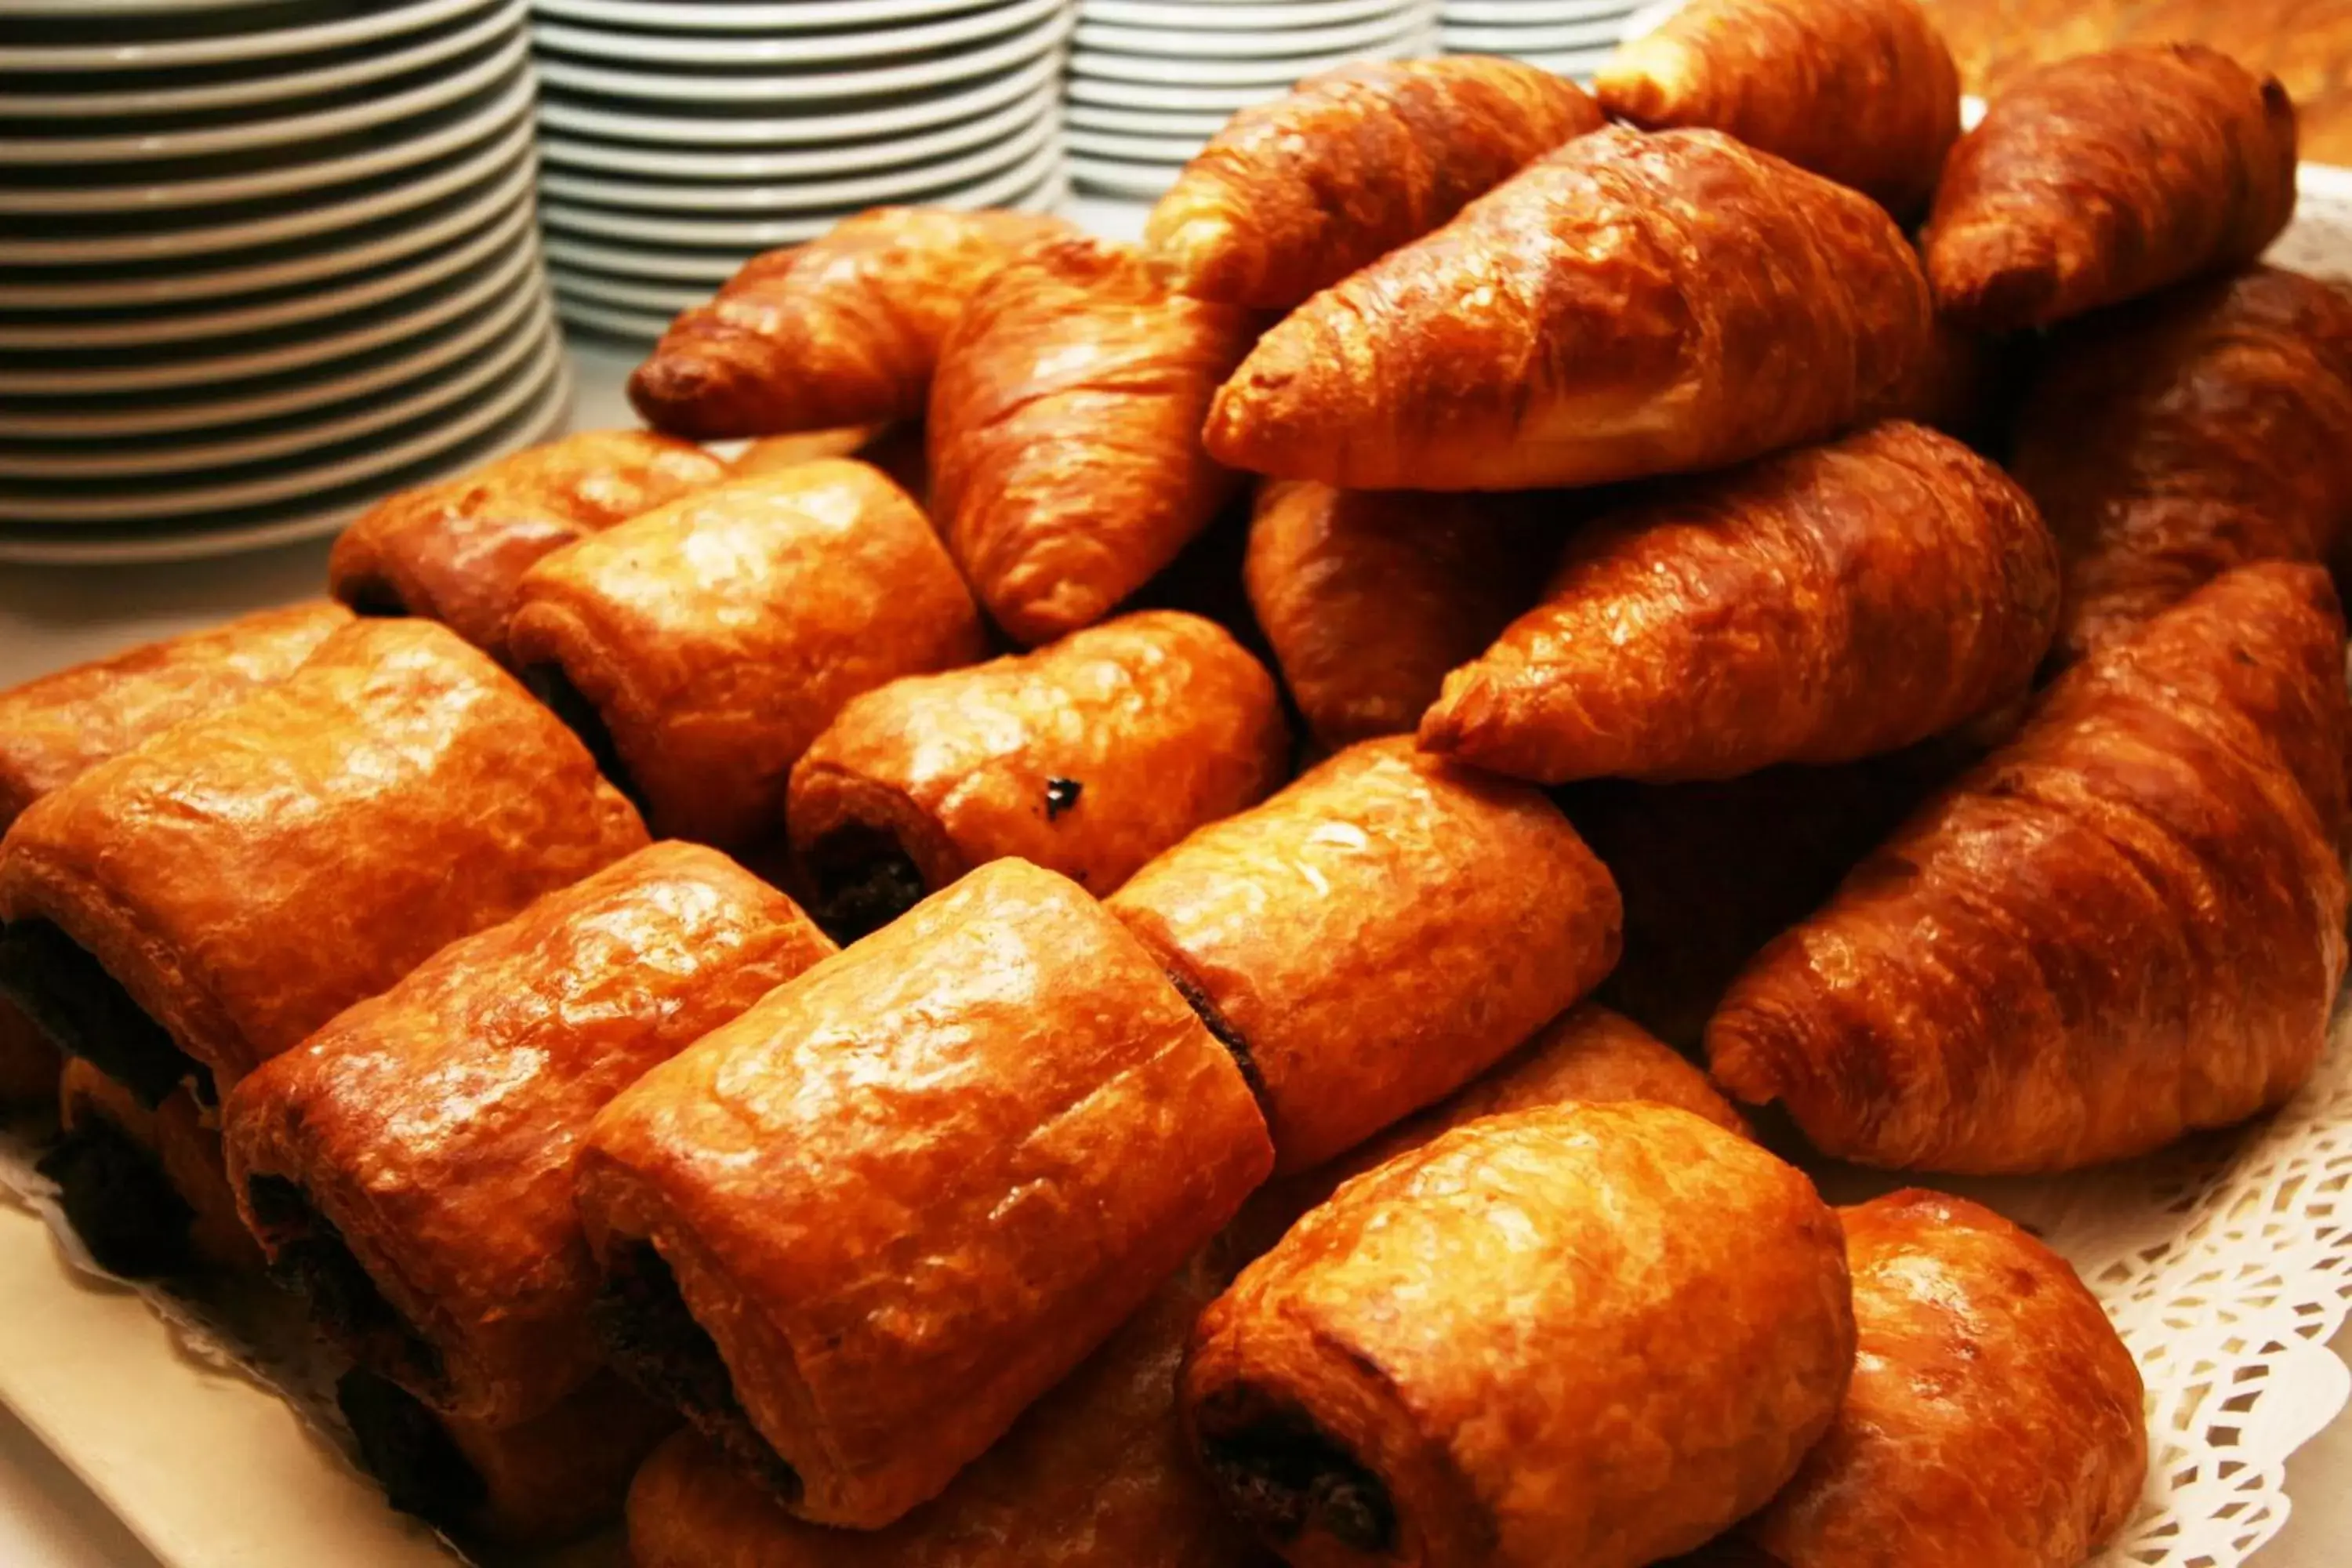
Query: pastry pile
x=1097, y=950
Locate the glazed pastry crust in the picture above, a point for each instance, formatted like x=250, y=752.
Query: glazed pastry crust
x=2172, y=440
x=1629, y=304
x=456, y=552
x=842, y=331
x=2055, y=204
x=1993, y=1419
x=1064, y=447
x=1088, y=757
x=1816, y=607
x=1376, y=935
x=1294, y=194
x=1545, y=1400
x=718, y=636
x=1860, y=91
x=28, y=1061
x=434, y=1127
x=249, y=873
x=1094, y=1475
x=185, y=1150
x=2125, y=924
x=908, y=1192
x=1369, y=598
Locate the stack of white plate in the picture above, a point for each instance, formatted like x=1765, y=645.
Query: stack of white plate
x=1570, y=38
x=261, y=261
x=682, y=138
x=1152, y=79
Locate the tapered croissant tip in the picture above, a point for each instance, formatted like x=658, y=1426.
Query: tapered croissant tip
x=1185, y=248
x=1644, y=79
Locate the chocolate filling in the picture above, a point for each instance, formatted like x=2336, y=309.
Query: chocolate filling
x=403, y=1447
x=121, y=1204
x=312, y=1256
x=864, y=881
x=1217, y=1023
x=554, y=687
x=654, y=1341
x=72, y=998
x=375, y=597
x=1284, y=1475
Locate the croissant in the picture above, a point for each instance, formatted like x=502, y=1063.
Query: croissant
x=2104, y=176
x=1816, y=607
x=1629, y=304
x=1860, y=91
x=1294, y=194
x=1993, y=1419
x=1369, y=598
x=143, y=1186
x=1064, y=449
x=842, y=331
x=2125, y=924
x=2172, y=439
x=456, y=552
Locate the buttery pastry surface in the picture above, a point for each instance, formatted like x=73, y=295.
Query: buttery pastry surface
x=428, y=1133
x=714, y=638
x=2098, y=178
x=2125, y=924
x=1626, y=1328
x=1294, y=194
x=903, y=1196
x=1629, y=304
x=1063, y=437
x=845, y=330
x=1377, y=934
x=1815, y=606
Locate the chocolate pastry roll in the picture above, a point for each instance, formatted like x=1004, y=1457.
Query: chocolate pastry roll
x=1628, y=304
x=1816, y=607
x=2175, y=438
x=699, y=648
x=1626, y=1328
x=456, y=552
x=1375, y=936
x=1993, y=1419
x=196, y=906
x=143, y=1185
x=1088, y=757
x=1064, y=434
x=548, y=1480
x=2104, y=176
x=56, y=728
x=1861, y=91
x=854, y=1232
x=2125, y=924
x=1371, y=596
x=1292, y=196
x=842, y=331
x=410, y=1164
x=1094, y=1475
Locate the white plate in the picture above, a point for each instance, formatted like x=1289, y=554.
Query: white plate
x=1531, y=13
x=706, y=268
x=1182, y=99
x=1146, y=180
x=1162, y=70
x=597, y=289
x=142, y=201
x=373, y=66
x=1142, y=121
x=48, y=152
x=790, y=52
x=610, y=157
x=705, y=88
x=1187, y=43
x=1520, y=41
x=643, y=326
x=866, y=190
x=1104, y=144
x=1187, y=16
x=660, y=16
x=240, y=47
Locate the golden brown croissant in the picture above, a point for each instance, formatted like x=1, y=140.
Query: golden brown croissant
x=1094, y=1475
x=1066, y=459
x=1294, y=194
x=456, y=552
x=143, y=1187
x=1993, y=1419
x=1815, y=606
x=1862, y=91
x=842, y=331
x=2198, y=430
x=1586, y=1333
x=2125, y=924
x=1371, y=596
x=1629, y=304
x=2106, y=176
